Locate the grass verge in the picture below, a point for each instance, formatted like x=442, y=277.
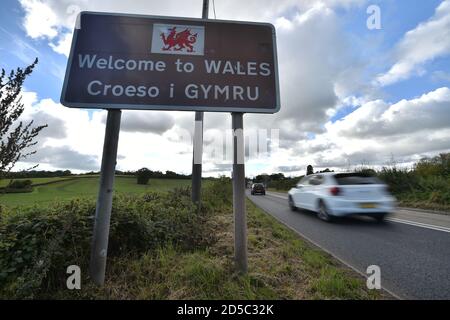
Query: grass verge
x=161, y=248
x=281, y=266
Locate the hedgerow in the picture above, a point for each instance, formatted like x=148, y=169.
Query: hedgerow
x=38, y=243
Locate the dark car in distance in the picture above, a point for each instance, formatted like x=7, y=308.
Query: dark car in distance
x=258, y=188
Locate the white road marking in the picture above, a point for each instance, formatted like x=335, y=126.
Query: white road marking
x=409, y=222
x=276, y=195
x=419, y=224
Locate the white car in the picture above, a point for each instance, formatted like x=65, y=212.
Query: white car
x=342, y=194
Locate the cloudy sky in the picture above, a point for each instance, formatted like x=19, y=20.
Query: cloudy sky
x=350, y=95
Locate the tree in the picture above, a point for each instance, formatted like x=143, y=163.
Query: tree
x=143, y=175
x=309, y=170
x=16, y=138
x=276, y=177
x=262, y=178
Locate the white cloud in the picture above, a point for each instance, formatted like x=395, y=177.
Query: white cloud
x=312, y=52
x=74, y=139
x=440, y=76
x=370, y=134
x=40, y=19
x=377, y=130
x=145, y=121
x=54, y=19
x=428, y=41
x=63, y=44
x=320, y=72
x=431, y=111
x=64, y=157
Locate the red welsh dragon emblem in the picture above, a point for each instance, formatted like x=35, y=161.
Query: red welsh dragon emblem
x=179, y=40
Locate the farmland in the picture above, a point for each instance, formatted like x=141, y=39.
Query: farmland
x=66, y=188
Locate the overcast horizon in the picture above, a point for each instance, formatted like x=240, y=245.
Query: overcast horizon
x=350, y=95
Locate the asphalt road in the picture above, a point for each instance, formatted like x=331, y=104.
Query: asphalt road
x=414, y=258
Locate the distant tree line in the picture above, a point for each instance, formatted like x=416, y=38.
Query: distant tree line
x=37, y=174
x=64, y=173
x=143, y=175
x=279, y=182
x=155, y=174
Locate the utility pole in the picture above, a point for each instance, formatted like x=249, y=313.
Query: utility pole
x=198, y=140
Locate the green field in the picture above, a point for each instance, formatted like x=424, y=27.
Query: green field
x=86, y=187
x=5, y=182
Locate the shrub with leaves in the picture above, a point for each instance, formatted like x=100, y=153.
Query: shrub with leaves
x=37, y=244
x=20, y=184
x=143, y=175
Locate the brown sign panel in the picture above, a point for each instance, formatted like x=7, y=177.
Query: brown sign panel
x=146, y=62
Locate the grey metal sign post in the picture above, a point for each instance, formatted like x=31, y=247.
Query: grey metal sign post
x=198, y=140
x=240, y=219
x=100, y=238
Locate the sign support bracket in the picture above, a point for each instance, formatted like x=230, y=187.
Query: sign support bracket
x=99, y=248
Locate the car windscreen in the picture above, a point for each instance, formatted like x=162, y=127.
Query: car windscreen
x=355, y=178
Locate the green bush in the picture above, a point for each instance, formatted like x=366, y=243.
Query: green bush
x=143, y=175
x=285, y=184
x=37, y=244
x=399, y=180
x=436, y=166
x=426, y=185
x=20, y=184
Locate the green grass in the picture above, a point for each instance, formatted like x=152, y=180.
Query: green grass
x=302, y=270
x=86, y=187
x=5, y=182
x=281, y=266
x=162, y=247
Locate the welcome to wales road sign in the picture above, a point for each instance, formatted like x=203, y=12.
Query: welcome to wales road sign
x=121, y=61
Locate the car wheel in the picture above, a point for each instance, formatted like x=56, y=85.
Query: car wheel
x=264, y=193
x=380, y=218
x=323, y=212
x=291, y=204
x=252, y=193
